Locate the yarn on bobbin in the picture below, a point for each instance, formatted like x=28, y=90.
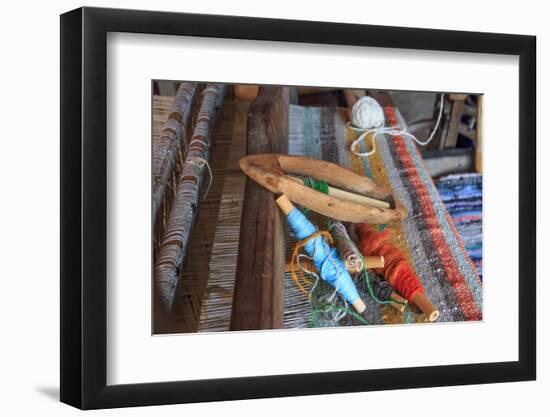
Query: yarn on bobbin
x=396, y=269
x=325, y=258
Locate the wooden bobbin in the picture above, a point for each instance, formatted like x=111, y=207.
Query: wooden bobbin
x=272, y=172
x=401, y=304
x=286, y=206
x=371, y=262
x=359, y=305
x=425, y=305
x=346, y=195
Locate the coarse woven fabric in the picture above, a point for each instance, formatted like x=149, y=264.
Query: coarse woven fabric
x=462, y=195
x=427, y=237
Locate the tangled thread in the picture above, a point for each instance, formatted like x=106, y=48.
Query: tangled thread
x=381, y=288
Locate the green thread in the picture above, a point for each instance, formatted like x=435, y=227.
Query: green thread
x=312, y=183
x=320, y=186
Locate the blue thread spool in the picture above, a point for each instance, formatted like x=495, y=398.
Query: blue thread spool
x=331, y=268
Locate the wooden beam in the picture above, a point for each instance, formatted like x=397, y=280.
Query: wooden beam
x=454, y=123
x=258, y=294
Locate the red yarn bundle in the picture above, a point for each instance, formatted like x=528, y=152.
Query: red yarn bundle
x=396, y=268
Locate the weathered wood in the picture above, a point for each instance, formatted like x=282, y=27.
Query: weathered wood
x=270, y=171
x=173, y=248
x=346, y=195
x=370, y=262
x=454, y=123
x=258, y=293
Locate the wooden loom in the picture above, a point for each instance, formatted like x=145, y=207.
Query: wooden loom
x=179, y=163
x=215, y=294
x=256, y=302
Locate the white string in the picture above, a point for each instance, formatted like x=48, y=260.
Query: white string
x=307, y=271
x=199, y=161
x=329, y=299
x=392, y=131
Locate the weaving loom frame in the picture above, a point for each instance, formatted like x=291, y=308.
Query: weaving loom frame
x=84, y=207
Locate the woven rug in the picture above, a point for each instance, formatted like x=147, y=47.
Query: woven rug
x=462, y=195
x=427, y=237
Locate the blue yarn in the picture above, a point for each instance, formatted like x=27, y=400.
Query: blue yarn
x=332, y=269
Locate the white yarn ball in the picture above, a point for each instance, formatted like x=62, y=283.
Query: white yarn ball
x=367, y=113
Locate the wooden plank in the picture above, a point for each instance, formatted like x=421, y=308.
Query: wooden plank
x=258, y=293
x=456, y=114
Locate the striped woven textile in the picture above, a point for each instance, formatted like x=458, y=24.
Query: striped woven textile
x=463, y=197
x=427, y=237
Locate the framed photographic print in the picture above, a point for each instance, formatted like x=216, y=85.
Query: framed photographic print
x=257, y=208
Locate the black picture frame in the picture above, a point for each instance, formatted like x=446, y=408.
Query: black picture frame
x=84, y=207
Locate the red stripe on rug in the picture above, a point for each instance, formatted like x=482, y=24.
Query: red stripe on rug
x=458, y=239
x=390, y=114
x=457, y=281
